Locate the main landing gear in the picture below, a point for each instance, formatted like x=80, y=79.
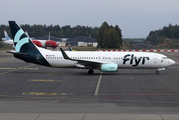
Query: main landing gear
x=157, y=72
x=91, y=71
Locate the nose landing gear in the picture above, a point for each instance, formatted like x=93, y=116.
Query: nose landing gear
x=159, y=69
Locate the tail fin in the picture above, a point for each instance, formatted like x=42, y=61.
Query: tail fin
x=49, y=36
x=6, y=35
x=22, y=43
x=70, y=49
x=27, y=33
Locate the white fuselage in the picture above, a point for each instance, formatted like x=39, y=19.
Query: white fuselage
x=9, y=42
x=129, y=60
x=43, y=42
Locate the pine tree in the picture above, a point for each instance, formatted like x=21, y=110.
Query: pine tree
x=109, y=37
x=101, y=34
x=118, y=30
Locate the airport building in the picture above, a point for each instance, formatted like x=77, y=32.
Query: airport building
x=82, y=41
x=76, y=41
x=138, y=43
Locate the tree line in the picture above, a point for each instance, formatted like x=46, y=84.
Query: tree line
x=167, y=32
x=109, y=36
x=106, y=36
x=55, y=30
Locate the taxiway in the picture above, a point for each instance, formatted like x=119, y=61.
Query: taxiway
x=30, y=89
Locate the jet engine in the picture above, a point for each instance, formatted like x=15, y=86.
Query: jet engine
x=109, y=67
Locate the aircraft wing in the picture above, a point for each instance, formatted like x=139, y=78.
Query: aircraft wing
x=83, y=63
x=88, y=64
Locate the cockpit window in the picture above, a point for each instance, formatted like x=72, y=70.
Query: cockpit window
x=164, y=57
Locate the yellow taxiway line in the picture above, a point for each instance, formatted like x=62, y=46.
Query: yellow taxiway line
x=41, y=80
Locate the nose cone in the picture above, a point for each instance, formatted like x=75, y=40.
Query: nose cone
x=171, y=62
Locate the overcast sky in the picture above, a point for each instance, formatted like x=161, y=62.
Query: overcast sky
x=136, y=18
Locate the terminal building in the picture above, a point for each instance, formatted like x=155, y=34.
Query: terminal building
x=82, y=41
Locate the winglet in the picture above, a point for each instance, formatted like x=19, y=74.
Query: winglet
x=70, y=49
x=64, y=54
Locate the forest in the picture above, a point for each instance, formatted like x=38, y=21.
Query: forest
x=106, y=36
x=55, y=30
x=168, y=35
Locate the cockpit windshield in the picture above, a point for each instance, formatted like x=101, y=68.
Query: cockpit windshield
x=164, y=57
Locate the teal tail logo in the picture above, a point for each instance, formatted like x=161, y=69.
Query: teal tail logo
x=20, y=42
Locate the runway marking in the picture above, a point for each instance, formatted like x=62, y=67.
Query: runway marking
x=142, y=81
x=41, y=80
x=16, y=69
x=144, y=101
x=176, y=93
x=55, y=73
x=42, y=93
x=98, y=85
x=4, y=95
x=108, y=98
x=46, y=98
x=7, y=72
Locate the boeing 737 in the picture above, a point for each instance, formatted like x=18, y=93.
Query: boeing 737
x=45, y=43
x=104, y=61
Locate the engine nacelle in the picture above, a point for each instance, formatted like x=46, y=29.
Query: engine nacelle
x=109, y=67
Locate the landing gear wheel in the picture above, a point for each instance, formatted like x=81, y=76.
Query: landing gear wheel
x=157, y=72
x=90, y=71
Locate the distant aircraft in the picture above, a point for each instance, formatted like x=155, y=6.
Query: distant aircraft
x=71, y=49
x=7, y=40
x=10, y=42
x=104, y=61
x=45, y=43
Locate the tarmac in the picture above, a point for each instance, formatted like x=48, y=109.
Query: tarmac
x=33, y=92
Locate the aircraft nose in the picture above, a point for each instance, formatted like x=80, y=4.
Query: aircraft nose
x=171, y=62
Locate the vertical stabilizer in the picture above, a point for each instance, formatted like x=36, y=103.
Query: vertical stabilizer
x=49, y=36
x=22, y=42
x=6, y=35
x=27, y=33
x=25, y=48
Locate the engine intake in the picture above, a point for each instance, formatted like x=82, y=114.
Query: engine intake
x=109, y=67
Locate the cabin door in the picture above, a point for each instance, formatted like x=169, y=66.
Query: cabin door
x=155, y=59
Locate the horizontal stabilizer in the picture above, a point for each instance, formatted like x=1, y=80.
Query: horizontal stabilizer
x=16, y=53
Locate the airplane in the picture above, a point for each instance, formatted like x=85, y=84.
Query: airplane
x=104, y=61
x=10, y=42
x=7, y=40
x=46, y=43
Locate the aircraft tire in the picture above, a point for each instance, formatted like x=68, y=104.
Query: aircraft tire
x=90, y=72
x=157, y=72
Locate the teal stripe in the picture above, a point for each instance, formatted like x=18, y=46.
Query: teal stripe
x=20, y=43
x=18, y=35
